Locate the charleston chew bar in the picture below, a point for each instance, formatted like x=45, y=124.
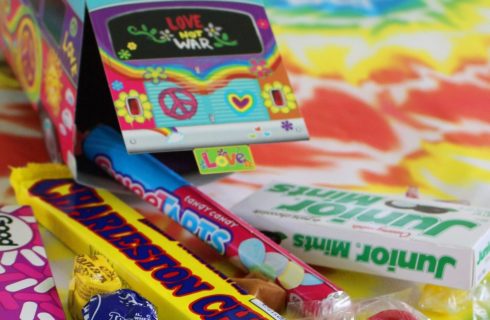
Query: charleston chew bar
x=225, y=232
x=93, y=221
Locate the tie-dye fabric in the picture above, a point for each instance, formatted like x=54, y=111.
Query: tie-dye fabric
x=395, y=94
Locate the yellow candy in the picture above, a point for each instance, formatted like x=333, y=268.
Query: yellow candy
x=75, y=305
x=443, y=300
x=94, y=275
x=91, y=276
x=292, y=276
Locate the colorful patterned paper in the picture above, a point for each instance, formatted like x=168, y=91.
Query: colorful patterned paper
x=27, y=288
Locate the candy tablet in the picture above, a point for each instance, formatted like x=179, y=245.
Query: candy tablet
x=292, y=276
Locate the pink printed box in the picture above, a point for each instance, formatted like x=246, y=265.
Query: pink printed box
x=27, y=289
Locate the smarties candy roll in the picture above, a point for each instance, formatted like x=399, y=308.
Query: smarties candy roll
x=226, y=233
x=93, y=221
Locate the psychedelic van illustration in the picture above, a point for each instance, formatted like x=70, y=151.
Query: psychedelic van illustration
x=172, y=75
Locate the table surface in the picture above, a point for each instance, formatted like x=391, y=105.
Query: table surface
x=394, y=93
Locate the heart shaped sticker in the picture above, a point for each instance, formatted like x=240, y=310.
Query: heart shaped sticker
x=241, y=103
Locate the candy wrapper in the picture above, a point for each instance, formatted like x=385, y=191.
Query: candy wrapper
x=481, y=300
x=91, y=275
x=27, y=288
x=91, y=221
x=119, y=305
x=443, y=300
x=226, y=233
x=383, y=308
x=386, y=308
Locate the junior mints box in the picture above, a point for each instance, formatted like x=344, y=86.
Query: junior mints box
x=423, y=241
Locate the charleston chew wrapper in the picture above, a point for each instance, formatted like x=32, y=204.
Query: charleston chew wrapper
x=92, y=221
x=225, y=232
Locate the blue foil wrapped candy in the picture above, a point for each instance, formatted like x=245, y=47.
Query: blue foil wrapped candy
x=123, y=304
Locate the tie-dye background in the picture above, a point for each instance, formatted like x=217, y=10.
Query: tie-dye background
x=396, y=93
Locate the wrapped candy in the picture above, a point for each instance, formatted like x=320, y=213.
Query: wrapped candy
x=382, y=308
x=91, y=275
x=443, y=300
x=119, y=305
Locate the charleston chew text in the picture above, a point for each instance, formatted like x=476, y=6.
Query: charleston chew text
x=90, y=220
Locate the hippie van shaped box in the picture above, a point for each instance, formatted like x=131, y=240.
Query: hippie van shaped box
x=178, y=74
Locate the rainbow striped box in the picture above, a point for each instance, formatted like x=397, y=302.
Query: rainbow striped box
x=27, y=289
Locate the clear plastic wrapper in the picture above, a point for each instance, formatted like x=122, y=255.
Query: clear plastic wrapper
x=386, y=308
x=382, y=308
x=443, y=300
x=481, y=300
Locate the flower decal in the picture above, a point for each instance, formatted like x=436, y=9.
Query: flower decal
x=124, y=54
x=287, y=126
x=73, y=27
x=117, y=85
x=132, y=46
x=263, y=24
x=166, y=35
x=155, y=74
x=220, y=39
x=122, y=107
x=52, y=79
x=259, y=68
x=279, y=97
x=212, y=30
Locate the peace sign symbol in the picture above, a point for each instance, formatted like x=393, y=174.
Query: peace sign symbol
x=183, y=105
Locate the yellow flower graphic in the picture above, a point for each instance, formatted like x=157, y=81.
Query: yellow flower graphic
x=155, y=74
x=283, y=102
x=122, y=106
x=132, y=46
x=52, y=81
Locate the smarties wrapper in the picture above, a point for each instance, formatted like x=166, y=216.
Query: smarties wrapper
x=218, y=227
x=92, y=221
